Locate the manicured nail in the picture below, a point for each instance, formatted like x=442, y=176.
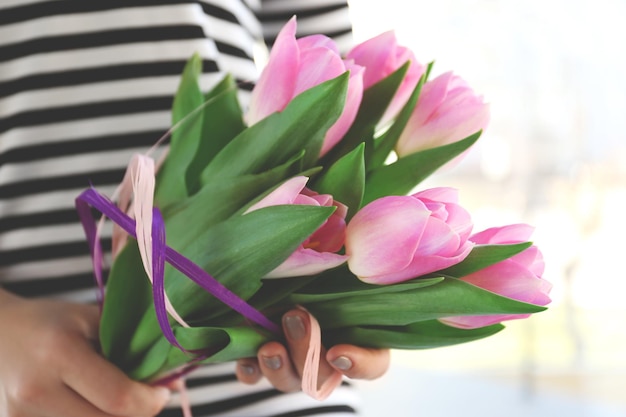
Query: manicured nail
x=294, y=327
x=342, y=363
x=247, y=369
x=273, y=362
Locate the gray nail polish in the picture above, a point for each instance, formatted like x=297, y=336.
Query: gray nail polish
x=294, y=327
x=342, y=363
x=247, y=369
x=273, y=362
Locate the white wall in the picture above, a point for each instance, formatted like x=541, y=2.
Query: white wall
x=554, y=156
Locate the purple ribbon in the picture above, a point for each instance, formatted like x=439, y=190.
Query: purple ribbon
x=160, y=253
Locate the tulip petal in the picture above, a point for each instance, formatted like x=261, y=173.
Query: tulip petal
x=306, y=200
x=442, y=194
x=277, y=82
x=421, y=265
x=286, y=193
x=378, y=240
x=532, y=258
x=373, y=55
x=513, y=233
x=475, y=322
x=457, y=218
x=431, y=97
x=509, y=279
x=447, y=111
x=438, y=239
x=381, y=56
x=350, y=110
x=316, y=66
x=459, y=221
x=304, y=262
x=321, y=199
x=330, y=237
x=433, y=263
x=318, y=41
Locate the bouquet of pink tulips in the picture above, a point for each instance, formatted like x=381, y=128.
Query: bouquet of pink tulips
x=296, y=201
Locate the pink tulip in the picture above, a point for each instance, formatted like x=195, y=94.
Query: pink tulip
x=447, y=111
x=317, y=253
x=297, y=65
x=397, y=238
x=381, y=56
x=518, y=277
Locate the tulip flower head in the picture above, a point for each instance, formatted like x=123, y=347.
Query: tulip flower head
x=518, y=277
x=447, y=111
x=397, y=238
x=295, y=65
x=317, y=253
x=381, y=56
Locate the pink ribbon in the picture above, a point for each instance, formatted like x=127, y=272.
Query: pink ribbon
x=310, y=372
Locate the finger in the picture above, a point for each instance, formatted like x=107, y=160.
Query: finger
x=359, y=363
x=90, y=320
x=54, y=401
x=107, y=387
x=176, y=385
x=248, y=371
x=275, y=365
x=297, y=327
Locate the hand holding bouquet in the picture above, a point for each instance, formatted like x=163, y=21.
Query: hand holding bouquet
x=295, y=202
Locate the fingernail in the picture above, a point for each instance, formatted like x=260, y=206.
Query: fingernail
x=273, y=362
x=294, y=327
x=247, y=369
x=342, y=363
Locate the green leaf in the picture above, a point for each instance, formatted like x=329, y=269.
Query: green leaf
x=237, y=252
x=421, y=335
x=450, y=297
x=341, y=283
x=128, y=295
x=219, y=200
x=224, y=343
x=385, y=144
x=271, y=297
x=403, y=175
x=483, y=256
x=275, y=139
x=375, y=101
x=221, y=121
x=147, y=365
x=248, y=246
x=171, y=186
x=345, y=180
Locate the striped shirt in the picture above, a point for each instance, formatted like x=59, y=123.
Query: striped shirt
x=86, y=84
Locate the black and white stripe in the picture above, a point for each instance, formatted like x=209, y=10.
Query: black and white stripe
x=216, y=391
x=83, y=86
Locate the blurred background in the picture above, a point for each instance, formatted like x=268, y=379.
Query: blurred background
x=554, y=156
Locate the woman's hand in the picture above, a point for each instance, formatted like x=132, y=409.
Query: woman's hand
x=283, y=365
x=49, y=366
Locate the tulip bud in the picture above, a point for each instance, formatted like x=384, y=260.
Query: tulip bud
x=397, y=238
x=518, y=277
x=381, y=56
x=317, y=253
x=447, y=111
x=298, y=65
